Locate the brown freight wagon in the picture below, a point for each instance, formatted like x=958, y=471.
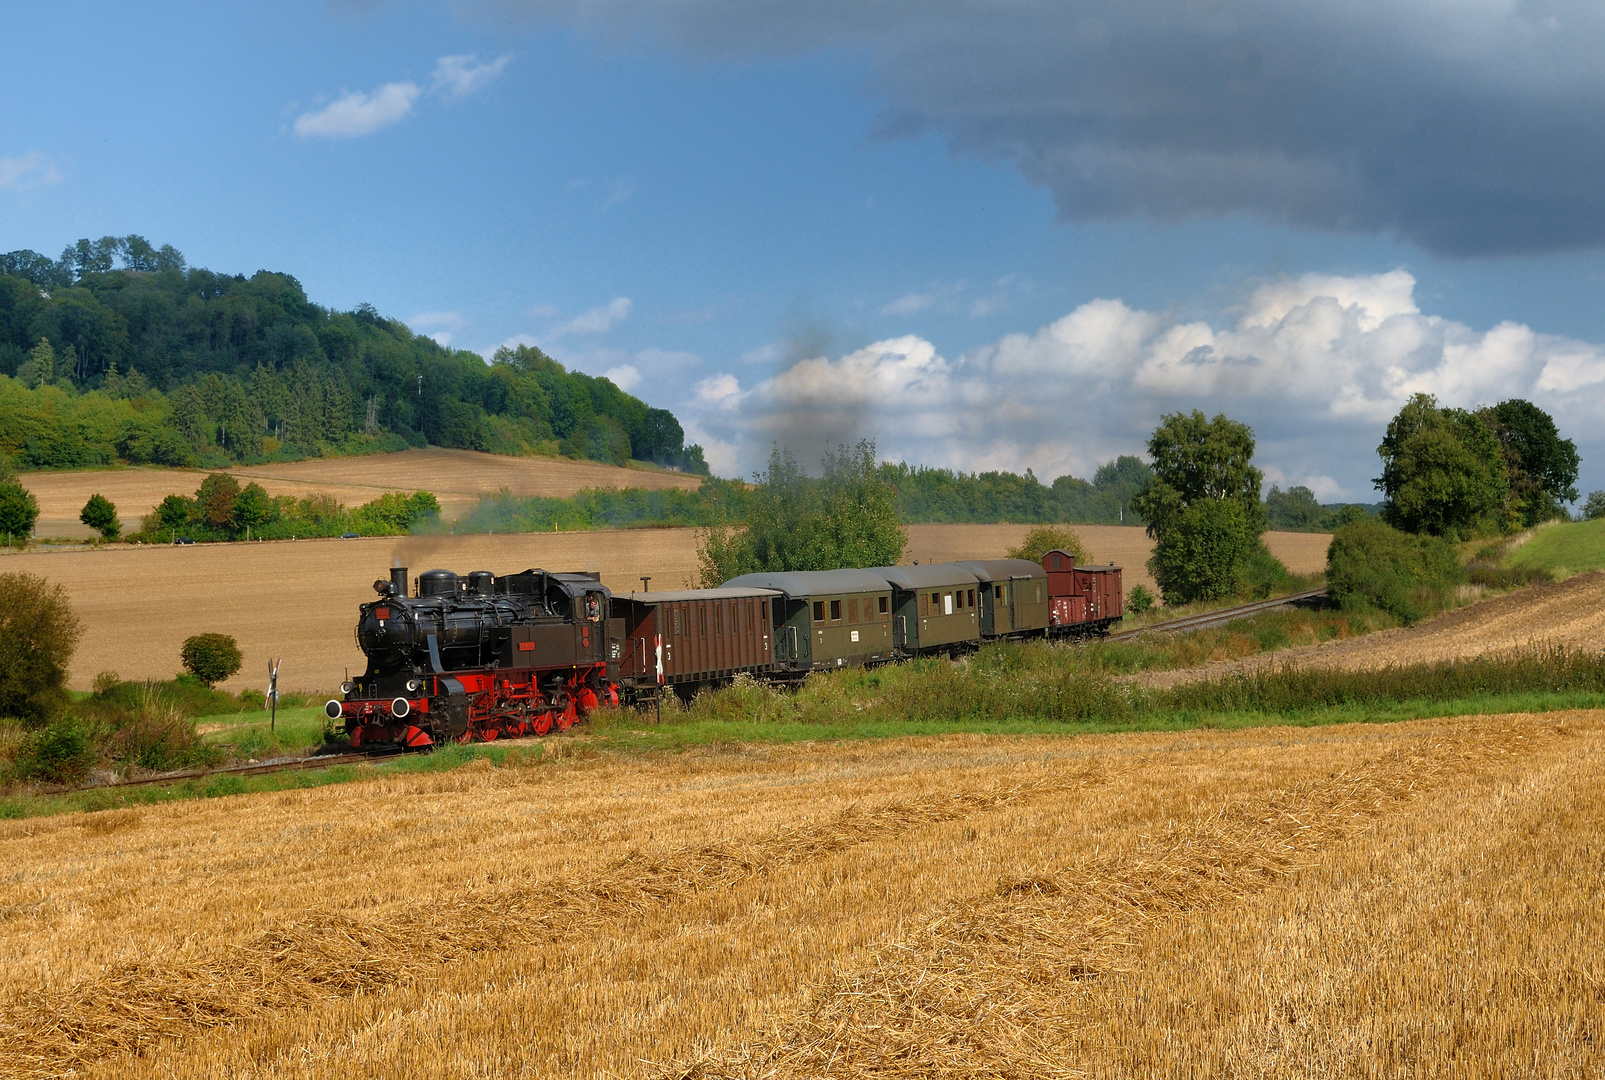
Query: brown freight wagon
x=692, y=638
x=1084, y=601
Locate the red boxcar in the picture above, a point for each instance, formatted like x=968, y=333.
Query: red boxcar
x=1083, y=600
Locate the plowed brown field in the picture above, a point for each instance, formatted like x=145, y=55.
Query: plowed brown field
x=1417, y=900
x=1570, y=615
x=298, y=600
x=456, y=477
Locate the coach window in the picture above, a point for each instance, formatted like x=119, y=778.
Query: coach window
x=886, y=604
x=972, y=597
x=835, y=611
x=819, y=611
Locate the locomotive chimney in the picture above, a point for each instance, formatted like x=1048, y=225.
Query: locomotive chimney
x=398, y=580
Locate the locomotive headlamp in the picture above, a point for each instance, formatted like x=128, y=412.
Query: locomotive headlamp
x=413, y=686
x=347, y=686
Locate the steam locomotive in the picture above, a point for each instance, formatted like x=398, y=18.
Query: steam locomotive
x=483, y=657
x=475, y=658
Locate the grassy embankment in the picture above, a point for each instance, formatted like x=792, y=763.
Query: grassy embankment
x=1005, y=689
x=1563, y=548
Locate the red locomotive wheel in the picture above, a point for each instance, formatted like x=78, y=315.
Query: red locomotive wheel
x=566, y=718
x=543, y=723
x=588, y=700
x=489, y=732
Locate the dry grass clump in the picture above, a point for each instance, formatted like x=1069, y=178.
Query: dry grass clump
x=989, y=989
x=1264, y=902
x=325, y=954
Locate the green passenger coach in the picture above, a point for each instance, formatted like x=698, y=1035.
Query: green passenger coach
x=1014, y=603
x=935, y=608
x=827, y=618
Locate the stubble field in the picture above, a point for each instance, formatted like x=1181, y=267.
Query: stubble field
x=298, y=600
x=1418, y=899
x=458, y=478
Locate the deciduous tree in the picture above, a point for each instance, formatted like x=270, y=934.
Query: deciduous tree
x=1203, y=507
x=99, y=514
x=1443, y=471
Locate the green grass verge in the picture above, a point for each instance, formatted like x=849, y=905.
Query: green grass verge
x=247, y=734
x=1566, y=547
x=1013, y=689
x=221, y=785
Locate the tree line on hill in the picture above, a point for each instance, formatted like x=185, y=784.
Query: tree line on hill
x=120, y=352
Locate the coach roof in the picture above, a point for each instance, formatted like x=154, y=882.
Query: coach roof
x=796, y=583
x=695, y=594
x=929, y=576
x=1003, y=569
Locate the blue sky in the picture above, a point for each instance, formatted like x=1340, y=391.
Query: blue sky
x=990, y=237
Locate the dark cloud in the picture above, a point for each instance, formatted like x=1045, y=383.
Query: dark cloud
x=1469, y=129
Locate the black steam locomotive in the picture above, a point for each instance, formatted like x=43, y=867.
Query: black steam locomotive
x=477, y=658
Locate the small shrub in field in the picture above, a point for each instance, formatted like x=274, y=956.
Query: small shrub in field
x=106, y=682
x=1045, y=538
x=1139, y=600
x=99, y=514
x=38, y=633
x=1370, y=564
x=211, y=658
x=155, y=734
x=60, y=753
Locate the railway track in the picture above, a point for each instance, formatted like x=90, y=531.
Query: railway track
x=326, y=761
x=1221, y=617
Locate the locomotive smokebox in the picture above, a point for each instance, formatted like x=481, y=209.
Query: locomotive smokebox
x=398, y=581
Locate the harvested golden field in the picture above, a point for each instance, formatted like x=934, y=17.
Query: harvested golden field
x=1570, y=615
x=298, y=600
x=1417, y=899
x=457, y=478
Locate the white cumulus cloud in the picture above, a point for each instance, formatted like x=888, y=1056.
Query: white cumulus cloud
x=356, y=113
x=1316, y=365
x=460, y=76
x=598, y=320
x=31, y=170
x=625, y=376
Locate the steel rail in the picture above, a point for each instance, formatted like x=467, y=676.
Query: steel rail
x=1218, y=618
x=325, y=761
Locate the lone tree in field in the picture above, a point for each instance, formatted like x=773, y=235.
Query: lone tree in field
x=1443, y=472
x=38, y=633
x=99, y=514
x=211, y=658
x=847, y=517
x=1042, y=539
x=1203, y=507
x=18, y=508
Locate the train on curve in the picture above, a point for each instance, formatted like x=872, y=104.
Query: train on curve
x=482, y=656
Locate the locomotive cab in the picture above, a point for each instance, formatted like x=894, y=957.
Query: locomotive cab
x=476, y=656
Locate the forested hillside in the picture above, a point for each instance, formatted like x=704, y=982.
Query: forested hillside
x=119, y=351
